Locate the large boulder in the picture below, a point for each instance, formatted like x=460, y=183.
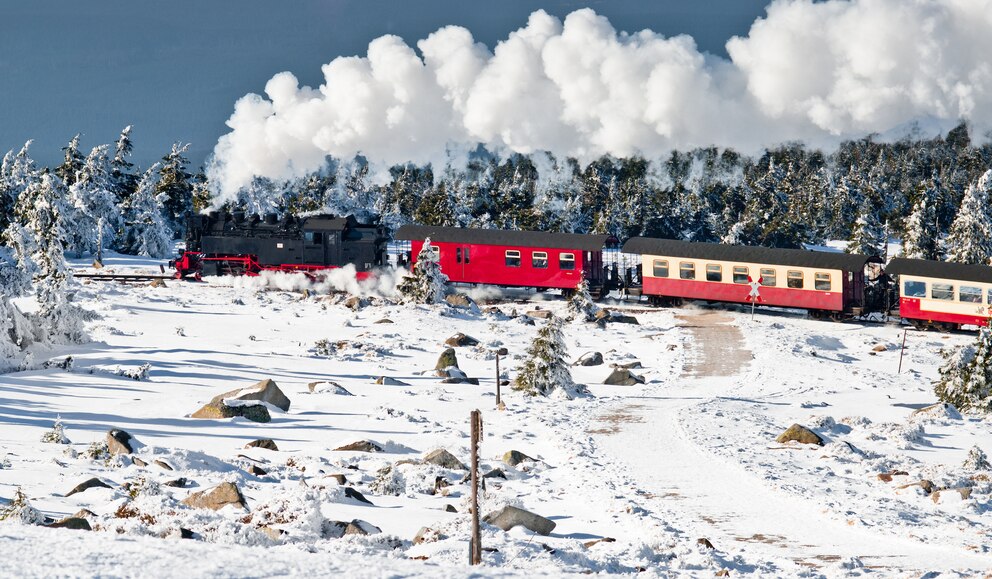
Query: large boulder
x=445, y=459
x=509, y=517
x=623, y=377
x=446, y=360
x=328, y=387
x=216, y=498
x=253, y=412
x=589, y=359
x=515, y=457
x=120, y=442
x=799, y=433
x=460, y=340
x=264, y=391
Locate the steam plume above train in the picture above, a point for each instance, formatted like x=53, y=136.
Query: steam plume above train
x=816, y=72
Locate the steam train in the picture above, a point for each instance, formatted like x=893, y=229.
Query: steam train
x=929, y=294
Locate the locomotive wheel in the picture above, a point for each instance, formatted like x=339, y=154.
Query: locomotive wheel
x=921, y=325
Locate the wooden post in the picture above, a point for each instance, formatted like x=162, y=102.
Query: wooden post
x=475, y=545
x=498, y=381
x=903, y=350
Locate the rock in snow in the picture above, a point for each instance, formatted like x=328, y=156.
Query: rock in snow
x=263, y=391
x=361, y=446
x=216, y=498
x=509, y=517
x=443, y=458
x=253, y=412
x=589, y=359
x=799, y=433
x=120, y=442
x=88, y=484
x=623, y=377
x=266, y=443
x=514, y=457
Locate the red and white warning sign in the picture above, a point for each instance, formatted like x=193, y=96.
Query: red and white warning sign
x=755, y=295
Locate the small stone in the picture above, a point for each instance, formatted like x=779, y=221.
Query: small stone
x=450, y=509
x=509, y=517
x=384, y=321
x=355, y=303
x=445, y=459
x=338, y=529
x=162, y=464
x=927, y=486
x=622, y=319
x=589, y=544
x=459, y=301
x=157, y=283
x=589, y=359
x=272, y=532
x=513, y=458
x=705, y=543
x=74, y=523
x=387, y=381
x=138, y=461
x=178, y=483
x=361, y=446
x=461, y=340
x=265, y=443
x=427, y=535
x=257, y=470
x=185, y=533
x=353, y=494
x=84, y=514
x=216, y=498
x=800, y=434
x=623, y=377
x=447, y=359
x=539, y=314
x=629, y=365
x=119, y=442
x=328, y=387
x=340, y=478
x=495, y=473
x=88, y=484
x=879, y=348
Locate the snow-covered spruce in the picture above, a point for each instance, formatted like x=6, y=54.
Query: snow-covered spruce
x=580, y=304
x=546, y=371
x=970, y=238
x=95, y=213
x=966, y=376
x=426, y=283
x=146, y=232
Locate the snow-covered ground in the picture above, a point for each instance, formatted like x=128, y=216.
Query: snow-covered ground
x=654, y=468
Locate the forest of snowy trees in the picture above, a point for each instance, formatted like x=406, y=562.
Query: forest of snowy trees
x=933, y=194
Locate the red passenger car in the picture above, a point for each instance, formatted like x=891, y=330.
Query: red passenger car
x=512, y=258
x=825, y=283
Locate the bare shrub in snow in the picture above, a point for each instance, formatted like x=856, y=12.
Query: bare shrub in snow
x=425, y=284
x=19, y=510
x=57, y=434
x=546, y=370
x=977, y=460
x=966, y=376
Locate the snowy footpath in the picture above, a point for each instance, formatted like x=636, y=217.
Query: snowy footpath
x=677, y=476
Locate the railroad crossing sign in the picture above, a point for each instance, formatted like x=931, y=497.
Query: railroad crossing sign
x=755, y=295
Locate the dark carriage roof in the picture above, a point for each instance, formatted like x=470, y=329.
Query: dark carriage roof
x=748, y=254
x=940, y=269
x=329, y=222
x=576, y=241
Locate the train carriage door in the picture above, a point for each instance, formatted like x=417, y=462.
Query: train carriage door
x=463, y=260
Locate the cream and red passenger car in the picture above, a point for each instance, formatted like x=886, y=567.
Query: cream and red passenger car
x=942, y=295
x=829, y=284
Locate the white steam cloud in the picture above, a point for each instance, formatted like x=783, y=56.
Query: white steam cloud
x=807, y=71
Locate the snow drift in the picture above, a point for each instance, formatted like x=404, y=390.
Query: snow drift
x=811, y=71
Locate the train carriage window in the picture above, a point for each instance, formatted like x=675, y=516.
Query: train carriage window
x=714, y=272
x=468, y=255
x=313, y=237
x=539, y=259
x=970, y=294
x=769, y=277
x=794, y=279
x=660, y=267
x=458, y=255
x=566, y=261
x=942, y=291
x=512, y=258
x=914, y=289
x=687, y=270
x=821, y=281
x=740, y=274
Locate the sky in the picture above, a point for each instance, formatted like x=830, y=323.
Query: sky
x=174, y=69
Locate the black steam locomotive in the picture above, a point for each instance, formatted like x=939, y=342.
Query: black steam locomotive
x=239, y=244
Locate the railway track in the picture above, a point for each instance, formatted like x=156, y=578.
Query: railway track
x=122, y=277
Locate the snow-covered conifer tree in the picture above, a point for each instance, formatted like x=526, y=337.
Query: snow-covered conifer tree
x=546, y=371
x=145, y=230
x=16, y=331
x=426, y=283
x=869, y=235
x=72, y=164
x=966, y=376
x=123, y=179
x=175, y=188
x=970, y=238
x=920, y=240
x=94, y=206
x=580, y=303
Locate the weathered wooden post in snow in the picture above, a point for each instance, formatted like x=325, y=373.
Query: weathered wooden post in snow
x=475, y=544
x=499, y=381
x=902, y=351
